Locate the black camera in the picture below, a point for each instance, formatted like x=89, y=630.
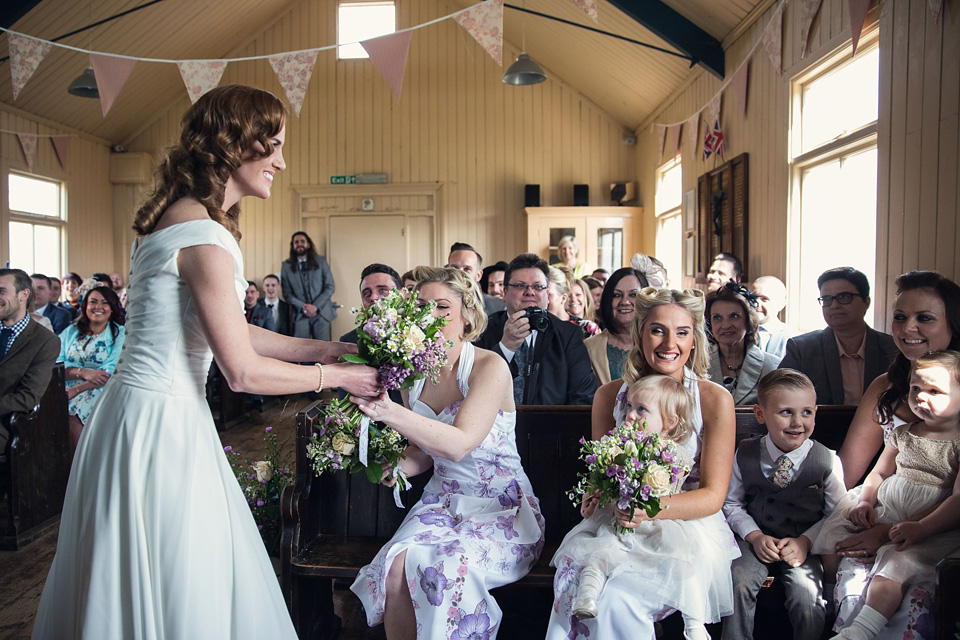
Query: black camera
x=539, y=320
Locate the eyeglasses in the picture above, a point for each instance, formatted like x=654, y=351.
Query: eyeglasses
x=520, y=287
x=843, y=298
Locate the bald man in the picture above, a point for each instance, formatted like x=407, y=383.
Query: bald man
x=772, y=298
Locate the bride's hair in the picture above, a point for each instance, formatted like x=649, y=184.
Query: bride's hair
x=636, y=365
x=471, y=301
x=215, y=132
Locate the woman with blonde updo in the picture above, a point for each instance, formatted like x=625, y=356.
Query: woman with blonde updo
x=477, y=525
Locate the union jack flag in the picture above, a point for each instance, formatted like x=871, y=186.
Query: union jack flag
x=713, y=141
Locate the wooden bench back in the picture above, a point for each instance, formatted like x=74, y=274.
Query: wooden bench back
x=831, y=423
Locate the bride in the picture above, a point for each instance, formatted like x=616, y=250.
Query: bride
x=156, y=539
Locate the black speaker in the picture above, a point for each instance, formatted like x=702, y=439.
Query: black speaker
x=581, y=195
x=531, y=195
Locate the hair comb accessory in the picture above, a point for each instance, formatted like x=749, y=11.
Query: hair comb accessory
x=745, y=293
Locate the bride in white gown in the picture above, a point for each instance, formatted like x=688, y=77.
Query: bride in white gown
x=156, y=539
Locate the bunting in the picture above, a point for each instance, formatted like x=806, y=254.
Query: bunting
x=484, y=22
x=200, y=76
x=661, y=133
x=389, y=55
x=293, y=71
x=692, y=126
x=936, y=6
x=772, y=40
x=25, y=56
x=740, y=82
x=589, y=7
x=713, y=139
x=28, y=142
x=674, y=139
x=808, y=11
x=858, y=15
x=112, y=74
x=60, y=146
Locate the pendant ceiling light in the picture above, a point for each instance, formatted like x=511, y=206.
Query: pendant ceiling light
x=524, y=71
x=85, y=85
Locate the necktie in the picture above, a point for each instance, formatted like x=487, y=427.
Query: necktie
x=520, y=357
x=6, y=336
x=781, y=476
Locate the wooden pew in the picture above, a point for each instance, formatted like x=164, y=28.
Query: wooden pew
x=38, y=465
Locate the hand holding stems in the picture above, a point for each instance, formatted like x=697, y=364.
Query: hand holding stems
x=766, y=547
x=376, y=406
x=330, y=352
x=588, y=504
x=631, y=518
x=357, y=379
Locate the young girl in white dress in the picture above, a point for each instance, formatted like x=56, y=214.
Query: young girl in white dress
x=916, y=472
x=684, y=558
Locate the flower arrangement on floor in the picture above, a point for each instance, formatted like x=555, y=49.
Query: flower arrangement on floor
x=402, y=339
x=262, y=482
x=630, y=467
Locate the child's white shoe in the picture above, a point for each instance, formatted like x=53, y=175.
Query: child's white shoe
x=591, y=582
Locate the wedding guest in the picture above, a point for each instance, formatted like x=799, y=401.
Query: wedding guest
x=771, y=296
x=71, y=292
x=466, y=258
x=408, y=281
x=725, y=268
x=600, y=275
x=56, y=291
x=308, y=286
x=116, y=281
x=596, y=292
x=580, y=303
x=45, y=306
x=608, y=350
x=558, y=297
x=250, y=297
x=569, y=252
x=272, y=313
x=376, y=281
x=492, y=280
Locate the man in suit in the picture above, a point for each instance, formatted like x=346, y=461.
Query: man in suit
x=59, y=318
x=308, y=286
x=464, y=257
x=272, y=313
x=843, y=359
x=27, y=350
x=250, y=297
x=725, y=267
x=771, y=299
x=549, y=366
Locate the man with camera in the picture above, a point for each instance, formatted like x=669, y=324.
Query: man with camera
x=546, y=355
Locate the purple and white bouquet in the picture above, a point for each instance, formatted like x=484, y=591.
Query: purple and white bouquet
x=631, y=468
x=402, y=339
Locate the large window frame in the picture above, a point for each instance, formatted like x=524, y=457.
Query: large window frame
x=54, y=264
x=668, y=210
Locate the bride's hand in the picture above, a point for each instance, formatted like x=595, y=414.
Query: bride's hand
x=330, y=352
x=623, y=517
x=356, y=379
x=378, y=408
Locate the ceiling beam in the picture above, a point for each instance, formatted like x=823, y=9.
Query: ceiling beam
x=677, y=31
x=13, y=10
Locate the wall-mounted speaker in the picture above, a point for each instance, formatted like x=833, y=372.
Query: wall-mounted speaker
x=531, y=195
x=581, y=195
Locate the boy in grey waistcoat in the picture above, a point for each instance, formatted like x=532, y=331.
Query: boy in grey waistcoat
x=782, y=488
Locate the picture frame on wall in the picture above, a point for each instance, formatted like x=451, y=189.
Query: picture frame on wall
x=690, y=210
x=689, y=254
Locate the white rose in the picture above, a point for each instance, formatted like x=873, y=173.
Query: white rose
x=343, y=445
x=416, y=336
x=657, y=476
x=264, y=471
x=630, y=448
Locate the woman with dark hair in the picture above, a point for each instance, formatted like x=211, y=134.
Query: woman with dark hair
x=736, y=359
x=926, y=317
x=156, y=537
x=71, y=292
x=89, y=350
x=608, y=349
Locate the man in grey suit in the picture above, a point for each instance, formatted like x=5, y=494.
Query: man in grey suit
x=464, y=257
x=843, y=359
x=59, y=318
x=308, y=286
x=27, y=350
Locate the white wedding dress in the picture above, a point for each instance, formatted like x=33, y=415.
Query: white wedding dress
x=156, y=538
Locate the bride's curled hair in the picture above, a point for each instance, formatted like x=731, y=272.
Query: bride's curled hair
x=466, y=288
x=214, y=133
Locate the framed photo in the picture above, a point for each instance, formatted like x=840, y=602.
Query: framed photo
x=689, y=254
x=690, y=210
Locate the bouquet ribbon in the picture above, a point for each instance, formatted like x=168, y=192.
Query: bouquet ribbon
x=364, y=440
x=401, y=481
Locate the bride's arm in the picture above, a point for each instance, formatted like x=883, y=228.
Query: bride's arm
x=207, y=271
x=274, y=345
x=490, y=383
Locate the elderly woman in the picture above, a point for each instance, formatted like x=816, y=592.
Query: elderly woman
x=569, y=252
x=608, y=349
x=477, y=525
x=736, y=360
x=926, y=317
x=558, y=298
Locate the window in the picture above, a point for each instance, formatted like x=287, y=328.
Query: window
x=669, y=198
x=833, y=171
x=37, y=224
x=358, y=21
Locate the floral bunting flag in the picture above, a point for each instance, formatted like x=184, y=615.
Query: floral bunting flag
x=389, y=55
x=293, y=71
x=858, y=15
x=772, y=40
x=60, y=146
x=808, y=11
x=661, y=133
x=28, y=142
x=25, y=56
x=484, y=22
x=936, y=6
x=692, y=126
x=589, y=7
x=111, y=75
x=200, y=76
x=740, y=81
x=674, y=140
x=713, y=139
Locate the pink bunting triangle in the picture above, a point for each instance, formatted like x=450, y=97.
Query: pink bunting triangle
x=60, y=146
x=936, y=6
x=772, y=40
x=25, y=56
x=674, y=138
x=808, y=11
x=692, y=126
x=28, y=142
x=111, y=74
x=589, y=7
x=740, y=81
x=858, y=15
x=389, y=55
x=661, y=132
x=293, y=71
x=200, y=76
x=484, y=22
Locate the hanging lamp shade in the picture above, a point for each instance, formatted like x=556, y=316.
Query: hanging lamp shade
x=524, y=72
x=85, y=85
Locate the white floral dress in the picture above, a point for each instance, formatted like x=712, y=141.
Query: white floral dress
x=100, y=351
x=476, y=527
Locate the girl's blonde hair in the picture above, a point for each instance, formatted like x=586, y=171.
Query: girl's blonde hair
x=692, y=300
x=949, y=360
x=589, y=311
x=471, y=300
x=672, y=399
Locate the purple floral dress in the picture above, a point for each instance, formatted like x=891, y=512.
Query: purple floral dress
x=476, y=527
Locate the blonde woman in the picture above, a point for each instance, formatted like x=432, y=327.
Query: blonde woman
x=558, y=300
x=569, y=257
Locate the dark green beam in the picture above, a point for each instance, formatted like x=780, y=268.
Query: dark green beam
x=680, y=33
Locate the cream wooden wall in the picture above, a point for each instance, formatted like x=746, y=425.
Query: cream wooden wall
x=457, y=124
x=918, y=137
x=90, y=239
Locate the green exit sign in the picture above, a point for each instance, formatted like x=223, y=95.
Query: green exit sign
x=343, y=179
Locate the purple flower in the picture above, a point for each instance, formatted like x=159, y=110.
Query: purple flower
x=506, y=524
x=577, y=629
x=260, y=503
x=393, y=375
x=511, y=495
x=440, y=519
x=451, y=486
x=370, y=328
x=431, y=498
x=425, y=537
x=473, y=627
x=450, y=548
x=228, y=448
x=521, y=551
x=434, y=583
x=268, y=430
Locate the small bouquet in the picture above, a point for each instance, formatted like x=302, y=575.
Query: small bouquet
x=403, y=341
x=262, y=482
x=630, y=467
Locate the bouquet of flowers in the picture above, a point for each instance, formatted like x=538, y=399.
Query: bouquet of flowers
x=402, y=340
x=630, y=467
x=262, y=483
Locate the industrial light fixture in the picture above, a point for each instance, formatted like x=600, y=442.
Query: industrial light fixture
x=85, y=85
x=524, y=71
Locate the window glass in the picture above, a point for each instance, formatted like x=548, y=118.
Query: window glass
x=34, y=196
x=841, y=100
x=358, y=21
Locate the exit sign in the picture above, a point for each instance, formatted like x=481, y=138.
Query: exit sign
x=343, y=179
